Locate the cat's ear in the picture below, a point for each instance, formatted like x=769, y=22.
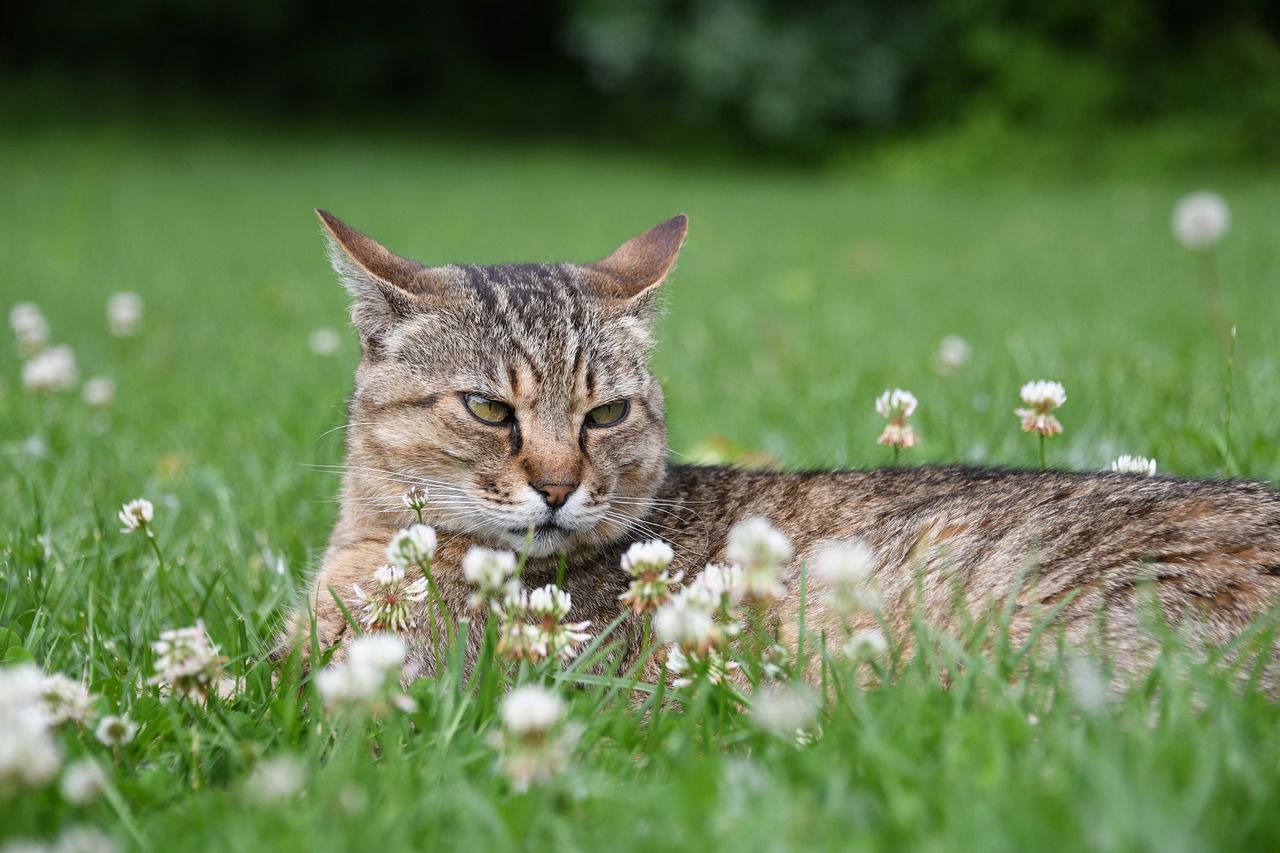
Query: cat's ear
x=386, y=287
x=631, y=274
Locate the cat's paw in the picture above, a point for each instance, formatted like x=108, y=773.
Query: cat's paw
x=319, y=620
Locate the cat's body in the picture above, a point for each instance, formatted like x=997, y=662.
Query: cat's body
x=552, y=347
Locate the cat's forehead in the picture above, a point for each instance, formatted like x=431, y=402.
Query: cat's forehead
x=534, y=320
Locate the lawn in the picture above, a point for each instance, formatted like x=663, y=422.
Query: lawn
x=800, y=296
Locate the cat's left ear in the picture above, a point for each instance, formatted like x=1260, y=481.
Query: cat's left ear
x=386, y=287
x=631, y=274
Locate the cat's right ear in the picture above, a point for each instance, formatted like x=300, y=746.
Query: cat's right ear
x=386, y=287
x=631, y=275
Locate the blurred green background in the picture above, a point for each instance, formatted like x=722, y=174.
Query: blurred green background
x=796, y=77
x=863, y=180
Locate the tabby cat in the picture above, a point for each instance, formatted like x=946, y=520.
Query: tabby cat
x=519, y=396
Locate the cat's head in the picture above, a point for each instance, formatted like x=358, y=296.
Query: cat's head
x=518, y=395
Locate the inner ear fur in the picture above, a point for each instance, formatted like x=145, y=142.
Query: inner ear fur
x=363, y=261
x=386, y=287
x=642, y=263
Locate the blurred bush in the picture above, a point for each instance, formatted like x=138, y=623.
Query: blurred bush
x=790, y=72
x=791, y=69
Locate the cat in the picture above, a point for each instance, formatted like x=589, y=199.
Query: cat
x=520, y=397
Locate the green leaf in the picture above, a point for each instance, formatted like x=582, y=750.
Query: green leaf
x=11, y=648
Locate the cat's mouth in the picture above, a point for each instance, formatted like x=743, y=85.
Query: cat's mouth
x=546, y=529
x=540, y=540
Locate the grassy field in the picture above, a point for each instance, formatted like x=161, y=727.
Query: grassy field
x=799, y=297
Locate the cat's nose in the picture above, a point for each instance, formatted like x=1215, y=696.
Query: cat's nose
x=555, y=494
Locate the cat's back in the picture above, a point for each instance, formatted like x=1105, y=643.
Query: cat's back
x=1087, y=548
x=1214, y=541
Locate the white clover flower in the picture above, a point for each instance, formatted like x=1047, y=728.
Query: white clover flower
x=116, y=730
x=1041, y=397
x=324, y=341
x=124, y=314
x=647, y=558
x=548, y=606
x=490, y=572
x=24, y=845
x=51, y=370
x=688, y=624
x=896, y=404
x=98, y=392
x=760, y=550
x=187, y=662
x=866, y=644
x=536, y=763
x=678, y=665
x=515, y=602
x=415, y=499
x=535, y=743
x=953, y=353
x=28, y=755
x=1200, y=220
x=34, y=446
x=412, y=546
x=84, y=839
x=550, y=602
x=845, y=570
x=1126, y=464
x=340, y=686
x=775, y=661
x=712, y=663
x=365, y=680
x=377, y=653
x=848, y=563
x=901, y=435
x=66, y=699
x=352, y=799
x=520, y=640
x=647, y=564
x=716, y=587
x=648, y=594
x=782, y=710
x=82, y=782
x=136, y=514
x=275, y=779
x=391, y=604
x=1043, y=394
x=29, y=327
x=546, y=636
x=562, y=639
x=532, y=710
x=806, y=738
x=1088, y=686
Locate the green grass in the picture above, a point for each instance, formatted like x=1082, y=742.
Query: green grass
x=800, y=297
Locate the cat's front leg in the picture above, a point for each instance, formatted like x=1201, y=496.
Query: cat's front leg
x=344, y=566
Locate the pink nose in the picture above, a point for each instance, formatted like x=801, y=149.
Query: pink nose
x=555, y=494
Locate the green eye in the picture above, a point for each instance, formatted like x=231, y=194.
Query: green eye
x=486, y=410
x=608, y=414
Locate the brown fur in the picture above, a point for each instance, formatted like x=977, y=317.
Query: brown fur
x=554, y=341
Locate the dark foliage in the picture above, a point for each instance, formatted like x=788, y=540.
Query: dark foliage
x=785, y=71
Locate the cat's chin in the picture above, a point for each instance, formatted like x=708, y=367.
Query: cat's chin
x=541, y=541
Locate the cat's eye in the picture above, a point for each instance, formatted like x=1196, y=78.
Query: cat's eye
x=486, y=410
x=608, y=414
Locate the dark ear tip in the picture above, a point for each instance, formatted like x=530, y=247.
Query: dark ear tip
x=676, y=228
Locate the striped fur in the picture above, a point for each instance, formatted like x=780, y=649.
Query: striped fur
x=555, y=340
